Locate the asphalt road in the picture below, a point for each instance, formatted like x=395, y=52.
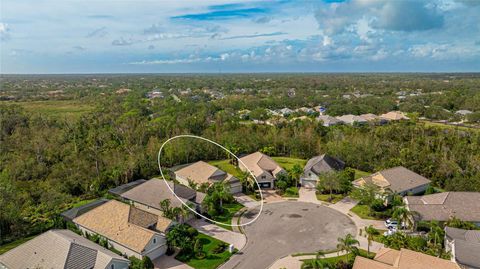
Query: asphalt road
x=289, y=227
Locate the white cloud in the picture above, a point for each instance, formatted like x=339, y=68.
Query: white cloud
x=4, y=31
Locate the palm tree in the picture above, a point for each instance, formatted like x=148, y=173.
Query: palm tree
x=347, y=244
x=404, y=217
x=371, y=232
x=295, y=173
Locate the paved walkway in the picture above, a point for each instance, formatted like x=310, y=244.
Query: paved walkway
x=246, y=200
x=238, y=240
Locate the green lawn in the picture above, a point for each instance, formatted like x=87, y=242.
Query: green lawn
x=287, y=162
x=14, y=244
x=229, y=211
x=60, y=108
x=363, y=211
x=335, y=259
x=211, y=260
x=326, y=198
x=226, y=166
x=360, y=173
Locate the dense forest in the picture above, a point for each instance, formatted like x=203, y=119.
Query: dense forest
x=49, y=162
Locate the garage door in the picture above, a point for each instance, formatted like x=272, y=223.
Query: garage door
x=310, y=184
x=157, y=252
x=265, y=185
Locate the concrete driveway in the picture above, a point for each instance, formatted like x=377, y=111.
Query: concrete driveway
x=289, y=227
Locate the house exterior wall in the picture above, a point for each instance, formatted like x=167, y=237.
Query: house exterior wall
x=182, y=180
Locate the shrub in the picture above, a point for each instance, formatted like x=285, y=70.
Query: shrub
x=147, y=263
x=192, y=231
x=292, y=191
x=378, y=205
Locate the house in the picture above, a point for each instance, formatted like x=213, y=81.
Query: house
x=128, y=229
x=202, y=172
x=443, y=206
x=387, y=258
x=328, y=121
x=351, y=119
x=70, y=214
x=373, y=118
x=58, y=249
x=285, y=111
x=394, y=116
x=149, y=194
x=264, y=168
x=399, y=180
x=463, y=112
x=317, y=165
x=464, y=246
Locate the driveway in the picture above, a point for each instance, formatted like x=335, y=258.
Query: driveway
x=246, y=200
x=289, y=227
x=169, y=262
x=238, y=240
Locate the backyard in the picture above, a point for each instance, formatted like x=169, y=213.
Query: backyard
x=287, y=163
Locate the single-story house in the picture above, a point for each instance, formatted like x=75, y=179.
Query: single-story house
x=202, y=172
x=351, y=119
x=399, y=180
x=373, y=118
x=328, y=121
x=58, y=249
x=148, y=195
x=394, y=116
x=131, y=231
x=70, y=214
x=264, y=168
x=464, y=246
x=463, y=112
x=387, y=258
x=443, y=206
x=317, y=165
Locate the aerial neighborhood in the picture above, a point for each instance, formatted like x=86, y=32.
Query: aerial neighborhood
x=152, y=223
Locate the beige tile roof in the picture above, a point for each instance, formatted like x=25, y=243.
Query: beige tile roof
x=394, y=115
x=111, y=221
x=398, y=179
x=59, y=249
x=260, y=163
x=403, y=259
x=443, y=206
x=200, y=172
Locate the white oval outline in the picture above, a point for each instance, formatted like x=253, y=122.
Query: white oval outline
x=185, y=204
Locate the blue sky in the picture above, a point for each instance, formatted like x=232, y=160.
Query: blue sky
x=73, y=36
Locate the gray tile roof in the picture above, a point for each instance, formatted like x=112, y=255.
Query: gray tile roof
x=153, y=191
x=59, y=249
x=443, y=206
x=324, y=163
x=78, y=211
x=125, y=187
x=400, y=179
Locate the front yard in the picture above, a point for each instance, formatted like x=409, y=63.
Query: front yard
x=228, y=212
x=326, y=197
x=364, y=212
x=211, y=247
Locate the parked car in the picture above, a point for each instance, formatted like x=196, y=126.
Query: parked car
x=391, y=223
x=390, y=232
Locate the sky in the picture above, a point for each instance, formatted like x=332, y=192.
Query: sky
x=228, y=36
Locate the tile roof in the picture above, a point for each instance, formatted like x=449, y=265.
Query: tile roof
x=328, y=120
x=398, y=179
x=78, y=211
x=443, y=206
x=394, y=115
x=153, y=191
x=351, y=119
x=324, y=163
x=259, y=163
x=125, y=187
x=467, y=253
x=200, y=172
x=59, y=249
x=111, y=220
x=402, y=259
